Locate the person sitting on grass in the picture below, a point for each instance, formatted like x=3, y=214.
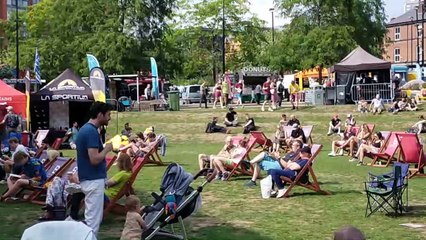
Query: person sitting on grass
x=268, y=161
x=420, y=126
x=249, y=125
x=31, y=171
x=296, y=134
x=368, y=147
x=291, y=170
x=377, y=105
x=231, y=118
x=114, y=184
x=344, y=142
x=127, y=130
x=221, y=163
x=212, y=127
x=134, y=225
x=350, y=121
x=334, y=125
x=362, y=105
x=225, y=152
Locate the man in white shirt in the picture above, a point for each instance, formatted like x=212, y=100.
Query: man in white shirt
x=377, y=105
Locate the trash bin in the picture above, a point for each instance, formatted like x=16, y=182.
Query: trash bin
x=318, y=95
x=174, y=103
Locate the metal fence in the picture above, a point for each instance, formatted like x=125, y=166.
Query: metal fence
x=369, y=91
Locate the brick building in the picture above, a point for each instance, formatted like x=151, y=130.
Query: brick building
x=404, y=39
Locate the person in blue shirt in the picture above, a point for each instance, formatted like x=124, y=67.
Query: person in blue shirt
x=91, y=163
x=291, y=169
x=31, y=172
x=72, y=133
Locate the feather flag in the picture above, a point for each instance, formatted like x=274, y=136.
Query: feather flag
x=37, y=67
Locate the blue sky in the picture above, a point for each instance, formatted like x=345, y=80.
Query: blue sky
x=393, y=9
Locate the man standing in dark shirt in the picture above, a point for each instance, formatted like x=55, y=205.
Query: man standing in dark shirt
x=231, y=118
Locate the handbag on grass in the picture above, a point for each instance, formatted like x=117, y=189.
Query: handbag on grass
x=266, y=186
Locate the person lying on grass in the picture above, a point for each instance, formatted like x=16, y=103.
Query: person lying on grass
x=291, y=170
x=222, y=163
x=225, y=152
x=114, y=184
x=31, y=171
x=268, y=161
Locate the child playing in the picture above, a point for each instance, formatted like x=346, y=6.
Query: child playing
x=134, y=224
x=31, y=172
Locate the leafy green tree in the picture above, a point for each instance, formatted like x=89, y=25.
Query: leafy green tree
x=121, y=34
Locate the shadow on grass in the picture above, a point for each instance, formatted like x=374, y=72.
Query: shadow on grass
x=225, y=233
x=416, y=211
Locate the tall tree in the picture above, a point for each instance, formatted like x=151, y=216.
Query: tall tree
x=121, y=33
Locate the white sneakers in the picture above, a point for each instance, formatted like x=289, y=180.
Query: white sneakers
x=281, y=192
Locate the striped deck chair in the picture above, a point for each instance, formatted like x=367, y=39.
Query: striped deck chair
x=411, y=153
x=307, y=130
x=55, y=168
x=113, y=205
x=154, y=157
x=302, y=178
x=262, y=141
x=387, y=152
x=239, y=167
x=57, y=144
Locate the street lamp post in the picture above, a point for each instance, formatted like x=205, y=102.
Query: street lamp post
x=17, y=39
x=411, y=55
x=223, y=37
x=273, y=29
x=417, y=35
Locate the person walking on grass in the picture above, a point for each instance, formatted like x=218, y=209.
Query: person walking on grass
x=267, y=95
x=91, y=163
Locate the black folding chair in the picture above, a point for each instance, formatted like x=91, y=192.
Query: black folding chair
x=386, y=192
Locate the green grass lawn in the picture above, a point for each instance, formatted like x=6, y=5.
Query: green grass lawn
x=232, y=211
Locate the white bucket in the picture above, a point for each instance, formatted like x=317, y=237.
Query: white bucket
x=266, y=186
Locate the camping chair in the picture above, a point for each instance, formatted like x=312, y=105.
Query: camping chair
x=262, y=141
x=307, y=130
x=386, y=153
x=240, y=168
x=302, y=178
x=411, y=152
x=127, y=189
x=386, y=191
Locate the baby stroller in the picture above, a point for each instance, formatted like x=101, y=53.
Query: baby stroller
x=177, y=201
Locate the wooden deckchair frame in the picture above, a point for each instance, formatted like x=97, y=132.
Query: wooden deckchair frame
x=37, y=191
x=420, y=161
x=382, y=155
x=237, y=167
x=154, y=157
x=113, y=204
x=308, y=129
x=314, y=185
x=262, y=141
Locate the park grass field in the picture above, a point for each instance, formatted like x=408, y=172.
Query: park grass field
x=232, y=211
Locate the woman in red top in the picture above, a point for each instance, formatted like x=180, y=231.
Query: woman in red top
x=217, y=94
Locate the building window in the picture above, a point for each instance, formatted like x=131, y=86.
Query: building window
x=397, y=55
x=397, y=34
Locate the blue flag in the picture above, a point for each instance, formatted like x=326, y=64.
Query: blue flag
x=154, y=74
x=92, y=61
